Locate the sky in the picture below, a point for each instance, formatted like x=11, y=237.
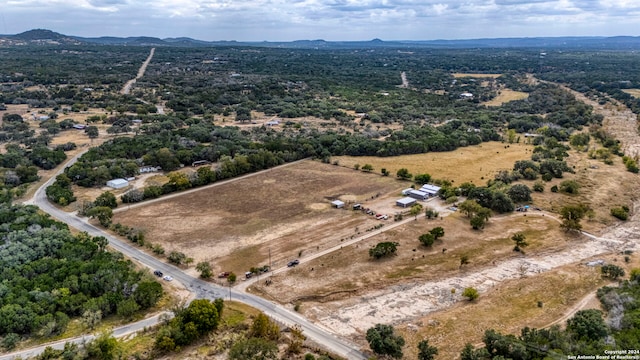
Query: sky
x=332, y=20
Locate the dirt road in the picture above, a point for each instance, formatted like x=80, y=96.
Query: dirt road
x=127, y=87
x=404, y=302
x=405, y=82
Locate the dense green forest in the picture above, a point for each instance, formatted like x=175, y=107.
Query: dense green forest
x=49, y=277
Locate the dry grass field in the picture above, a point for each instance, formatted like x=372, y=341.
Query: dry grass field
x=633, y=92
x=476, y=75
x=506, y=95
x=284, y=211
x=351, y=272
x=475, y=164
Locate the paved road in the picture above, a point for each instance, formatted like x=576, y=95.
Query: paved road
x=198, y=287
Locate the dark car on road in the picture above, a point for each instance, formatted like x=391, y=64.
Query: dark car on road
x=157, y=273
x=293, y=263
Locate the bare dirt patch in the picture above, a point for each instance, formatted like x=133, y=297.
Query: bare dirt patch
x=506, y=95
x=475, y=164
x=238, y=224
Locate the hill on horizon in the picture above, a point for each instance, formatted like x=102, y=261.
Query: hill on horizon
x=49, y=37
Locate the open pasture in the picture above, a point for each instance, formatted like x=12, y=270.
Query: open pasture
x=475, y=164
x=276, y=214
x=506, y=95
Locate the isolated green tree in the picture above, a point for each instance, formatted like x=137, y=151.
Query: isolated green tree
x=231, y=279
x=102, y=213
x=92, y=132
x=519, y=239
x=383, y=249
x=367, y=167
x=205, y=269
x=383, y=341
x=571, y=216
x=437, y=232
x=415, y=210
x=427, y=239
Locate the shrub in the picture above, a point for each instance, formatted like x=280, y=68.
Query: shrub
x=470, y=293
x=554, y=188
x=538, y=186
x=569, y=187
x=631, y=164
x=621, y=212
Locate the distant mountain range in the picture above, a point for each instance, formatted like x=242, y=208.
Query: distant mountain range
x=48, y=37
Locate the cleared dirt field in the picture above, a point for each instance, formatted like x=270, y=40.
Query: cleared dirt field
x=284, y=212
x=475, y=164
x=506, y=95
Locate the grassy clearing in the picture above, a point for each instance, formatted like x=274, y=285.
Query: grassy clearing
x=633, y=92
x=475, y=164
x=505, y=96
x=476, y=75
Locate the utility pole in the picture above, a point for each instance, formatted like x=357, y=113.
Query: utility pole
x=270, y=268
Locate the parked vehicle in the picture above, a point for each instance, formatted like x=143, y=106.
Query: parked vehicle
x=157, y=273
x=382, y=216
x=248, y=275
x=167, y=278
x=223, y=275
x=293, y=263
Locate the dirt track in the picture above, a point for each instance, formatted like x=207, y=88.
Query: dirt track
x=127, y=87
x=402, y=303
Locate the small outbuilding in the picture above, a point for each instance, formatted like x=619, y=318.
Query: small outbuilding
x=432, y=190
x=417, y=194
x=337, y=204
x=406, y=192
x=406, y=202
x=117, y=183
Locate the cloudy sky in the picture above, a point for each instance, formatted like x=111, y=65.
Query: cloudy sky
x=285, y=20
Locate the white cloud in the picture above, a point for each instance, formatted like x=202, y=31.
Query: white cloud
x=328, y=19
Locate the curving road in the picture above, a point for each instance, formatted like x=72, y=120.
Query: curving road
x=200, y=288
